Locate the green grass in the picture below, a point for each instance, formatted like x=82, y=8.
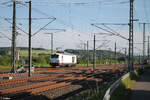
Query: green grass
x=34, y=52
x=42, y=66
x=124, y=90
x=99, y=91
x=4, y=67
x=37, y=66
x=96, y=93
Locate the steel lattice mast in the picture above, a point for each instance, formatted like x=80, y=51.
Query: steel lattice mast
x=130, y=62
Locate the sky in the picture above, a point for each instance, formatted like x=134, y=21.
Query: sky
x=75, y=17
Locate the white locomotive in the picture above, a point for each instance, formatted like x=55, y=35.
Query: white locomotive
x=63, y=59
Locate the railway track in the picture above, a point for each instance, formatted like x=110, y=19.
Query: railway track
x=44, y=84
x=29, y=79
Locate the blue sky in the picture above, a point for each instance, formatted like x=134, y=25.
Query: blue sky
x=75, y=16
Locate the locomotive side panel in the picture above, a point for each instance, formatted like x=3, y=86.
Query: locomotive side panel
x=63, y=60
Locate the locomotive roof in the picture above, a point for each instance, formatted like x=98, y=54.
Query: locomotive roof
x=65, y=53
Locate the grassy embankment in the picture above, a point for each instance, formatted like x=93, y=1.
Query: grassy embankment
x=43, y=60
x=4, y=67
x=39, y=61
x=35, y=53
x=123, y=92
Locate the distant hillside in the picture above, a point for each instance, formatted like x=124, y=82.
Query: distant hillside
x=23, y=51
x=99, y=53
x=4, y=51
x=20, y=48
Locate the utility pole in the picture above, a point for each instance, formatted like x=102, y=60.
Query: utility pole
x=110, y=59
x=87, y=53
x=94, y=54
x=115, y=54
x=130, y=62
x=84, y=44
x=52, y=43
x=139, y=59
x=30, y=38
x=144, y=39
x=148, y=49
x=51, y=39
x=84, y=53
x=125, y=55
x=13, y=51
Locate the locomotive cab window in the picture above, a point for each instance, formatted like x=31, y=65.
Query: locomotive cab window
x=54, y=56
x=73, y=59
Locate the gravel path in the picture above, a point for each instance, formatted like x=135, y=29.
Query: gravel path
x=141, y=90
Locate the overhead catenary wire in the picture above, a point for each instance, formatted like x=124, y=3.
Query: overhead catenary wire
x=111, y=23
x=53, y=18
x=50, y=17
x=25, y=18
x=75, y=3
x=6, y=36
x=117, y=34
x=145, y=10
x=44, y=3
x=57, y=19
x=17, y=27
x=105, y=0
x=103, y=44
x=113, y=33
x=43, y=27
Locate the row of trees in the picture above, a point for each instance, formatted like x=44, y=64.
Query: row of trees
x=6, y=60
x=102, y=57
x=102, y=61
x=44, y=60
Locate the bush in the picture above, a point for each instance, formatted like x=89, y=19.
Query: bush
x=47, y=58
x=3, y=52
x=40, y=60
x=35, y=60
x=43, y=60
x=5, y=60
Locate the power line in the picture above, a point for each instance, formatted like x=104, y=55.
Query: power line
x=131, y=47
x=17, y=27
x=103, y=44
x=80, y=3
x=111, y=23
x=43, y=27
x=30, y=39
x=144, y=38
x=117, y=34
x=50, y=17
x=26, y=18
x=113, y=33
x=145, y=10
x=13, y=52
x=6, y=36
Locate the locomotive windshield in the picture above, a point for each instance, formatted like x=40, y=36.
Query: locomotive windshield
x=54, y=56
